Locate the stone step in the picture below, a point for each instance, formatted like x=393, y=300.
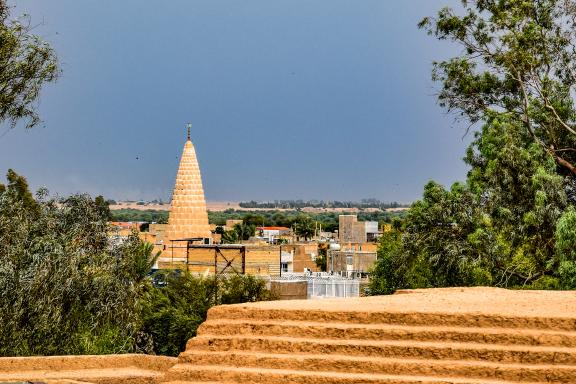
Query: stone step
x=389, y=348
x=378, y=365
x=201, y=373
x=196, y=382
x=478, y=320
x=318, y=330
x=130, y=375
x=79, y=362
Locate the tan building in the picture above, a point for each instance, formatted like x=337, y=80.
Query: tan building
x=296, y=258
x=226, y=258
x=350, y=230
x=353, y=231
x=256, y=259
x=188, y=215
x=351, y=262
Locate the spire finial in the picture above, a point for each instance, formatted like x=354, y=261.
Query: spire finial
x=188, y=126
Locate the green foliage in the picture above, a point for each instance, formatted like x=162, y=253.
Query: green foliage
x=136, y=215
x=61, y=284
x=171, y=315
x=566, y=248
x=390, y=271
x=566, y=235
x=304, y=227
x=275, y=218
x=242, y=289
x=328, y=220
x=299, y=204
x=104, y=207
x=519, y=60
x=245, y=230
x=230, y=237
x=240, y=232
x=322, y=259
x=26, y=63
x=512, y=223
x=64, y=289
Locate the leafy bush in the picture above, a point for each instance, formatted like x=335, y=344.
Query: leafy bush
x=171, y=315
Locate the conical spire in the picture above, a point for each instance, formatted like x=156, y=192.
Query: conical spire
x=188, y=216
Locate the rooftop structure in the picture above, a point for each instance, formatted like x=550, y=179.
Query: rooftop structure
x=350, y=230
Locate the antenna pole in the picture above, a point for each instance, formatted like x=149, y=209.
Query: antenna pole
x=188, y=126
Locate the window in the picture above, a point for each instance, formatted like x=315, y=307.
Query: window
x=349, y=259
x=284, y=267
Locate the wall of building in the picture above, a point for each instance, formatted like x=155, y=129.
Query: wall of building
x=304, y=256
x=361, y=261
x=350, y=230
x=260, y=260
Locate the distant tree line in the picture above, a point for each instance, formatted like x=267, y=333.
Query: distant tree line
x=299, y=204
x=136, y=215
x=328, y=220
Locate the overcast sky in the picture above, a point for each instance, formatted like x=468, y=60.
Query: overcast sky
x=289, y=99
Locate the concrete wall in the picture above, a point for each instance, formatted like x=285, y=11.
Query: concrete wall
x=289, y=290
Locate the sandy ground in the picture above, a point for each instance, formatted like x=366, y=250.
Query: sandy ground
x=478, y=300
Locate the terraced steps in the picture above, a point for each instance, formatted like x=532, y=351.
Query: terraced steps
x=281, y=376
x=391, y=365
x=96, y=376
x=398, y=348
x=356, y=316
x=476, y=335
x=319, y=330
x=107, y=369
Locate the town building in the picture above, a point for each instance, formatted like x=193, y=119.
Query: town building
x=350, y=230
x=274, y=235
x=352, y=261
x=299, y=258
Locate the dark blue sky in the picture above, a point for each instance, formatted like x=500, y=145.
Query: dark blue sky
x=325, y=99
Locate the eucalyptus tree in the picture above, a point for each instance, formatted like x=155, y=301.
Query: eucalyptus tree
x=26, y=64
x=518, y=59
x=516, y=77
x=513, y=83
x=64, y=289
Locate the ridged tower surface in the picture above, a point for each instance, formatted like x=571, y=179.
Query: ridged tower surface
x=188, y=216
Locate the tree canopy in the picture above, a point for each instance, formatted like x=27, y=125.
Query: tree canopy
x=507, y=225
x=26, y=64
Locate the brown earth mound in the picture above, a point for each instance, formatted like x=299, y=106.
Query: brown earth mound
x=457, y=335
x=440, y=336
x=110, y=369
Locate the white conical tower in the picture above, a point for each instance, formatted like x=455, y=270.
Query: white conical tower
x=188, y=216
